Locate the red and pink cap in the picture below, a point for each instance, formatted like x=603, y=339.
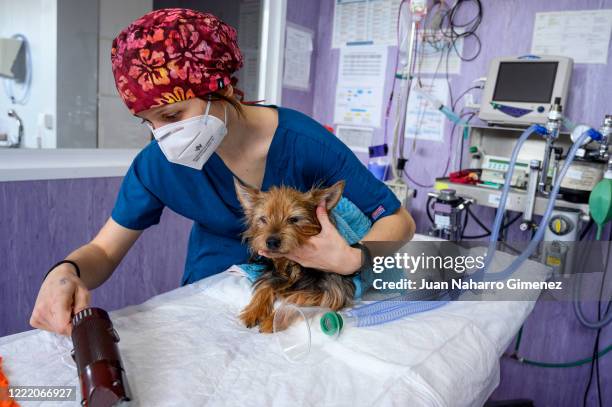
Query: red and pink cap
x=171, y=55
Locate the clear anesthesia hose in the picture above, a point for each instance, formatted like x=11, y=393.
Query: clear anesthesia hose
x=415, y=300
x=391, y=314
x=533, y=244
x=302, y=331
x=504, y=196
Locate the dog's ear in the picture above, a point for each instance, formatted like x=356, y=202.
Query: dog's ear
x=330, y=195
x=246, y=195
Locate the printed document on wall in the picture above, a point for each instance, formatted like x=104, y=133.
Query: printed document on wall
x=357, y=139
x=359, y=92
x=372, y=21
x=581, y=35
x=423, y=120
x=298, y=52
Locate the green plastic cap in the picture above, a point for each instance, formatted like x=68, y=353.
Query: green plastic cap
x=473, y=149
x=331, y=323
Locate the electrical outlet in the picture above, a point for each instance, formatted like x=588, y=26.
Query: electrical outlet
x=470, y=103
x=469, y=99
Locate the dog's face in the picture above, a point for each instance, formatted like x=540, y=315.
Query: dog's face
x=283, y=218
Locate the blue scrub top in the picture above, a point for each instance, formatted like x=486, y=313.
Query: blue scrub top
x=302, y=154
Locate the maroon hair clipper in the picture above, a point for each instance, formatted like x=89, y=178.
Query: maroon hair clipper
x=101, y=373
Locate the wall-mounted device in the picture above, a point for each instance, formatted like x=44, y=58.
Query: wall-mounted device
x=16, y=68
x=11, y=59
x=494, y=171
x=520, y=90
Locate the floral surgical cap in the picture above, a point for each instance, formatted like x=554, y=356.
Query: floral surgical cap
x=170, y=55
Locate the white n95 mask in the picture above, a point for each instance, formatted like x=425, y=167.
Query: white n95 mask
x=191, y=142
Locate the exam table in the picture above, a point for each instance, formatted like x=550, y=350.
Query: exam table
x=186, y=347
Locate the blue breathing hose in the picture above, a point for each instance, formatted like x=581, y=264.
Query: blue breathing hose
x=533, y=244
x=504, y=196
x=384, y=311
x=394, y=313
x=394, y=302
x=399, y=307
x=590, y=133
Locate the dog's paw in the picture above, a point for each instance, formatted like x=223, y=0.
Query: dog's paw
x=266, y=325
x=249, y=318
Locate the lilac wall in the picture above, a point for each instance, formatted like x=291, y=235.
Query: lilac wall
x=42, y=221
x=305, y=14
x=552, y=333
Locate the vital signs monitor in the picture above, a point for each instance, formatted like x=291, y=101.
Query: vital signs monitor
x=520, y=90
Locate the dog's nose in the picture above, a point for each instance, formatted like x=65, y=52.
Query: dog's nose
x=273, y=242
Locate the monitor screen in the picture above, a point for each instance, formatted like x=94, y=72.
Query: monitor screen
x=529, y=82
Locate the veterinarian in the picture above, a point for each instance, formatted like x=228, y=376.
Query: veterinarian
x=174, y=69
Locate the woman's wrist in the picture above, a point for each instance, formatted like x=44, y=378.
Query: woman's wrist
x=351, y=261
x=65, y=266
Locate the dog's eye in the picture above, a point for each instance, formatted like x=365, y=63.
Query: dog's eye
x=293, y=219
x=263, y=219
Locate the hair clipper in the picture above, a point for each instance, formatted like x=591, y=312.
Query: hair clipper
x=101, y=374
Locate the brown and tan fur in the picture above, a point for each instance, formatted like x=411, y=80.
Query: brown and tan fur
x=280, y=220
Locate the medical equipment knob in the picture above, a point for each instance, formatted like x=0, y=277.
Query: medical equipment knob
x=448, y=195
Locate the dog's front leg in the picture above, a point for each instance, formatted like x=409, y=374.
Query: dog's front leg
x=260, y=309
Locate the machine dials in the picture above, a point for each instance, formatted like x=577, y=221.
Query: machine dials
x=560, y=225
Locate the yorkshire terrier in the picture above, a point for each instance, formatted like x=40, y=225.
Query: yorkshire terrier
x=279, y=221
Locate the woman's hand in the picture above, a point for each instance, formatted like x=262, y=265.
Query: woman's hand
x=61, y=295
x=327, y=251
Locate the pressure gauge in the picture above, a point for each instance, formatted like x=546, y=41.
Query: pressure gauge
x=560, y=225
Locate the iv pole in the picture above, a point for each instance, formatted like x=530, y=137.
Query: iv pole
x=418, y=9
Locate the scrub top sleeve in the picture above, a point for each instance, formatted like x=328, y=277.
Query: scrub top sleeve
x=136, y=207
x=334, y=161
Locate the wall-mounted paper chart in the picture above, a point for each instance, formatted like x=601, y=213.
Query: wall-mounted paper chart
x=359, y=92
x=298, y=53
x=372, y=21
x=357, y=139
x=583, y=36
x=424, y=121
